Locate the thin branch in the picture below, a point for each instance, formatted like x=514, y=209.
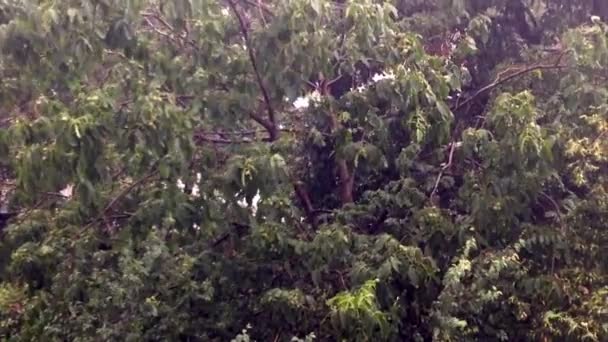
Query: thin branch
x=223, y=141
x=127, y=190
x=269, y=124
x=346, y=178
x=260, y=6
x=173, y=35
x=443, y=168
x=224, y=236
x=560, y=221
x=160, y=19
x=500, y=79
x=234, y=133
x=22, y=216
x=335, y=79
x=56, y=194
x=157, y=30
x=123, y=193
x=599, y=137
x=554, y=204
x=265, y=23
x=342, y=281
x=306, y=202
x=6, y=122
x=313, y=86
x=244, y=133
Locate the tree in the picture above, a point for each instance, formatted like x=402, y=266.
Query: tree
x=341, y=170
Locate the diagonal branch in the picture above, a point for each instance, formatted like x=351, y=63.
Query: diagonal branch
x=127, y=190
x=121, y=195
x=500, y=79
x=267, y=124
x=270, y=123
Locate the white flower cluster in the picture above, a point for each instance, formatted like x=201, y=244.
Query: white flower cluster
x=304, y=101
x=195, y=192
x=376, y=78
x=254, y=203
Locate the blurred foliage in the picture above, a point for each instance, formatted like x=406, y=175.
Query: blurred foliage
x=442, y=175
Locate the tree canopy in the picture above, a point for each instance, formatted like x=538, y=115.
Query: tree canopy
x=299, y=170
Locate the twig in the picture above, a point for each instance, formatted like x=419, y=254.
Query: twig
x=259, y=7
x=341, y=277
x=443, y=168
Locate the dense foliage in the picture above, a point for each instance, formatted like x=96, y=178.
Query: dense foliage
x=277, y=170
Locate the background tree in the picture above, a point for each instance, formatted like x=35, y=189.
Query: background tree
x=209, y=170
